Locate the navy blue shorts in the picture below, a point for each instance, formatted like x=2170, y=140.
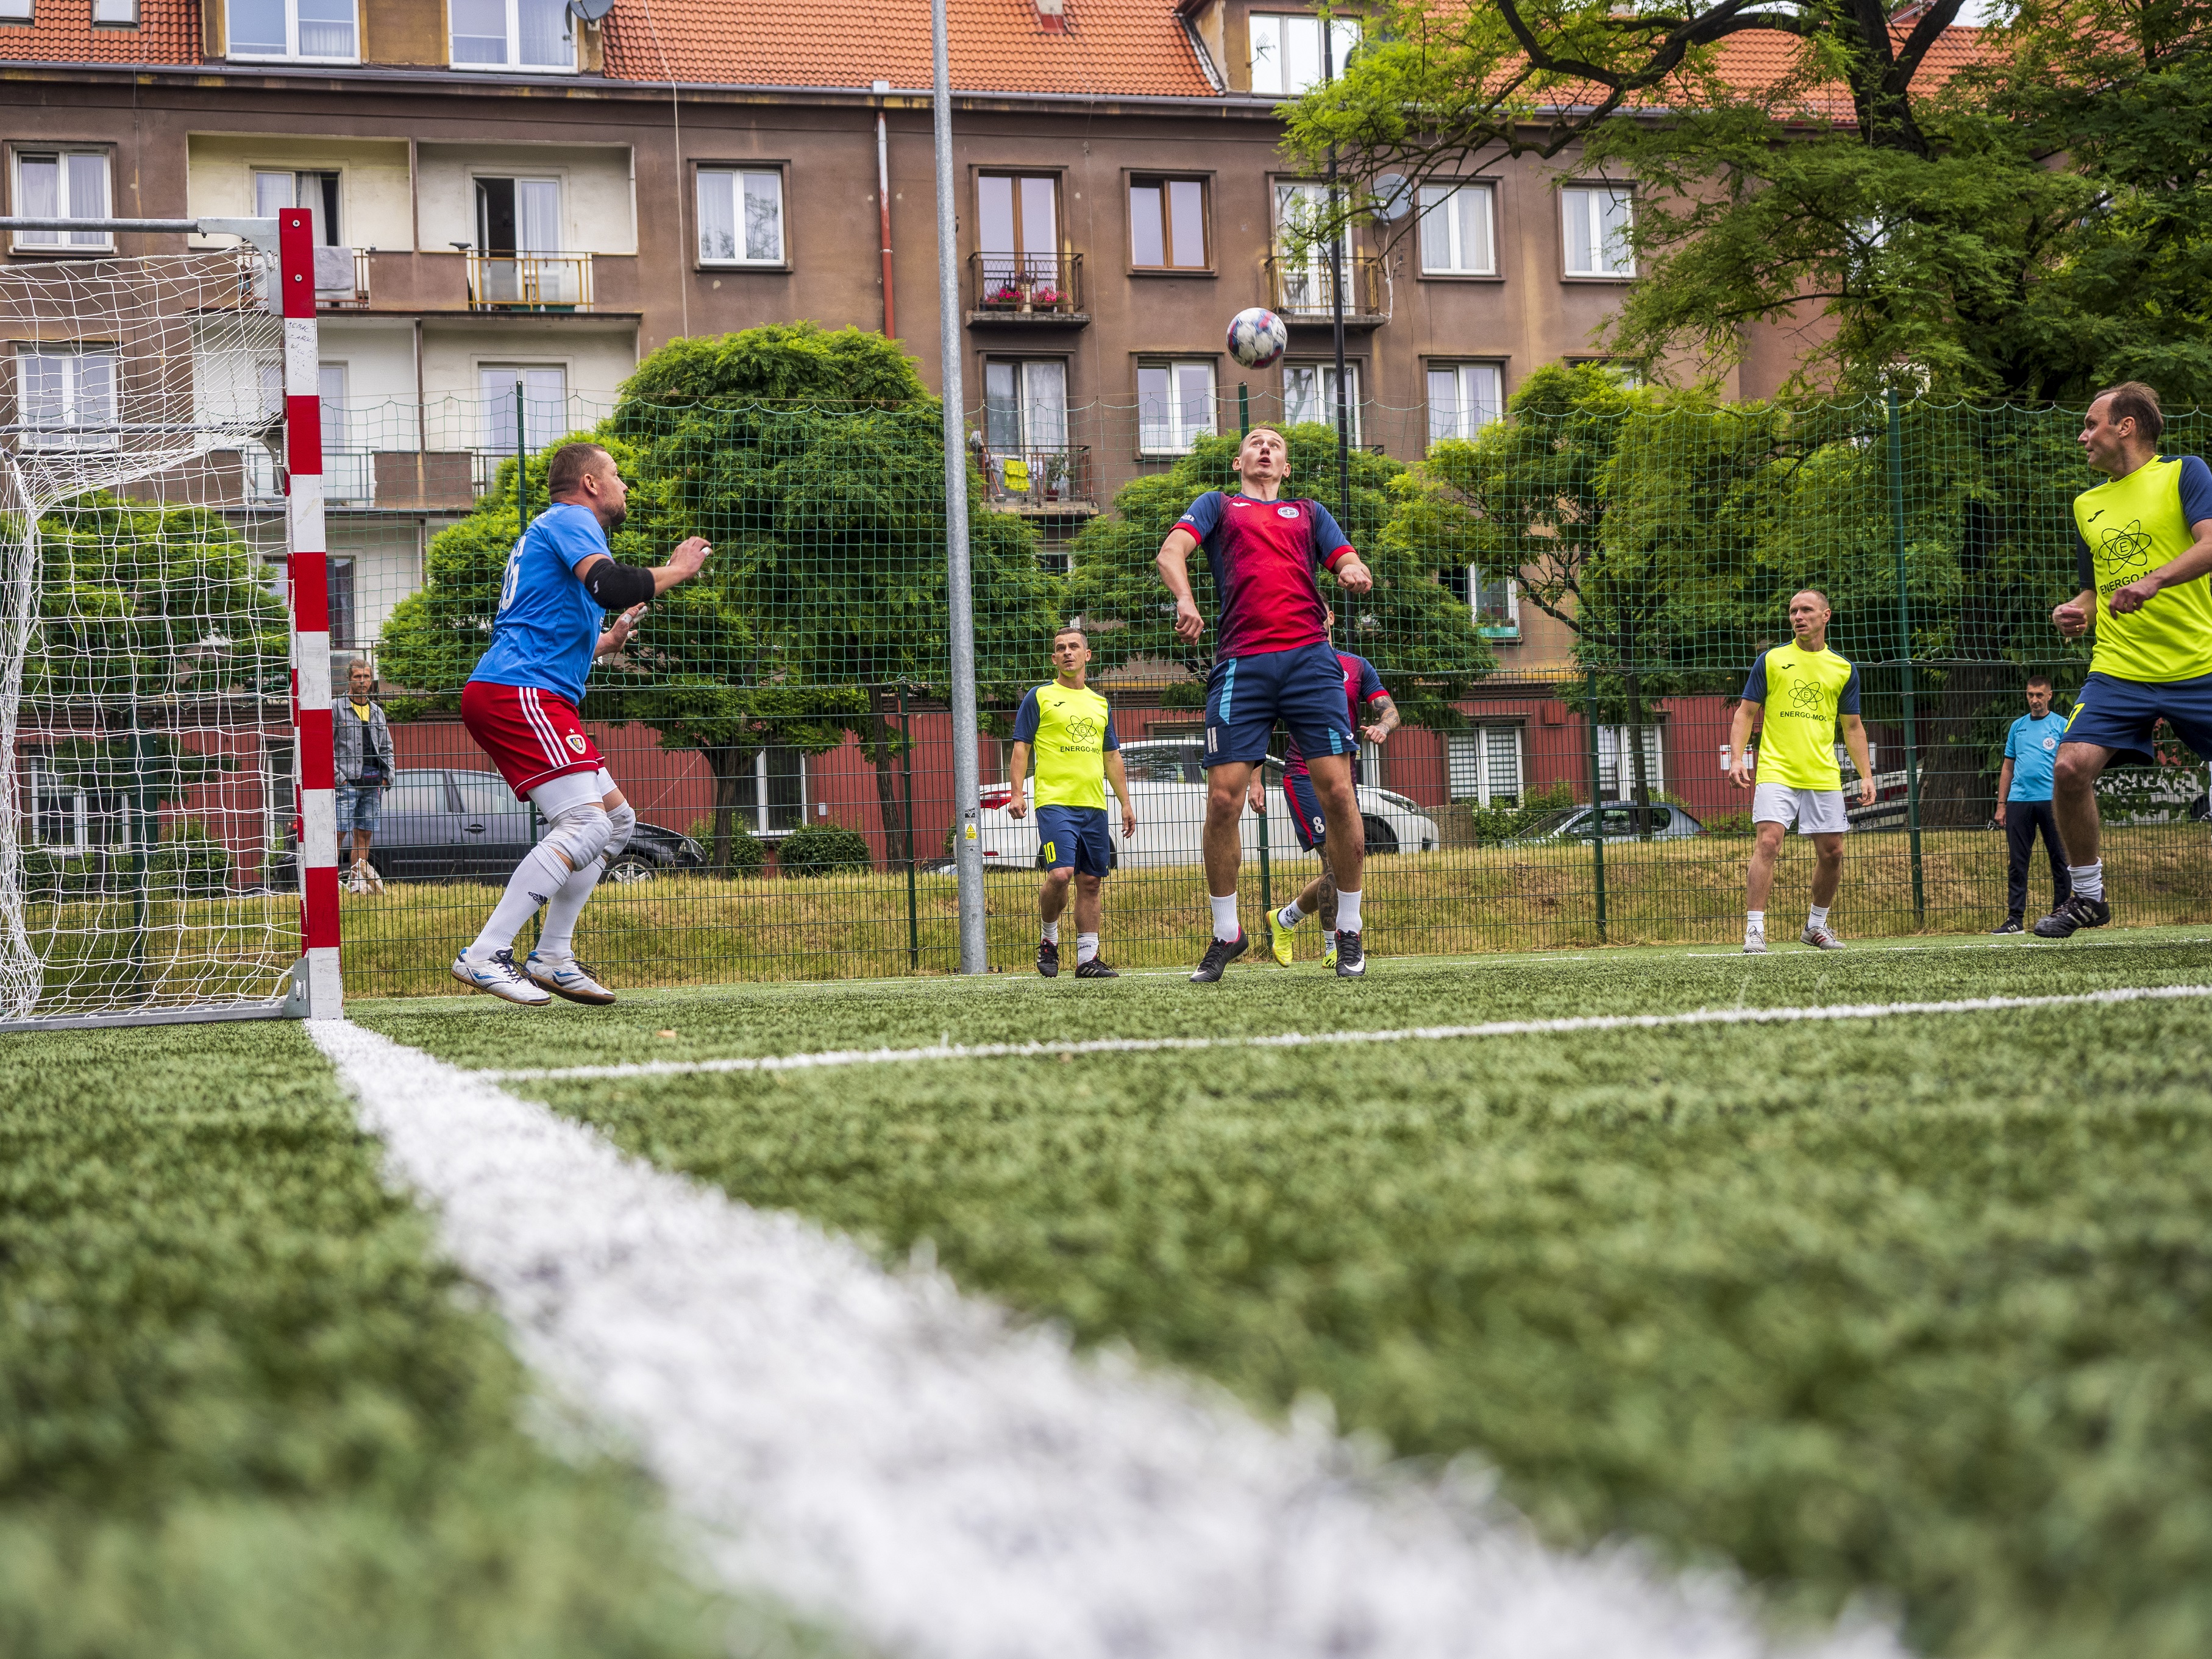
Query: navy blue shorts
x=1076, y=835
x=1303, y=689
x=2117, y=713
x=1305, y=810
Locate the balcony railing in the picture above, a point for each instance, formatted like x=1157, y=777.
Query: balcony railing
x=530, y=281
x=1299, y=289
x=1044, y=482
x=1025, y=287
x=338, y=298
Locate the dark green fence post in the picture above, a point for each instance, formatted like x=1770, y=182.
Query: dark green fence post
x=1905, y=659
x=1597, y=800
x=521, y=466
x=913, y=906
x=1266, y=878
x=1243, y=409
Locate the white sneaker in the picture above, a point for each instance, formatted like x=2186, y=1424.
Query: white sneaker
x=1820, y=936
x=567, y=977
x=1754, y=941
x=499, y=977
x=366, y=880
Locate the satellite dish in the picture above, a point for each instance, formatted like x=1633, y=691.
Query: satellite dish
x=590, y=11
x=1393, y=197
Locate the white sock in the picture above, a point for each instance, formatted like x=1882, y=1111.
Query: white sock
x=1328, y=941
x=1225, y=926
x=1819, y=918
x=1347, y=912
x=2089, y=878
x=558, y=939
x=536, y=878
x=1052, y=931
x=1290, y=915
x=1754, y=922
x=1086, y=946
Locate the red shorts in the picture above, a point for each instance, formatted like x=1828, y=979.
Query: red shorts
x=531, y=735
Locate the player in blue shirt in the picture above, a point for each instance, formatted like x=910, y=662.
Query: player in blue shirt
x=2024, y=809
x=519, y=706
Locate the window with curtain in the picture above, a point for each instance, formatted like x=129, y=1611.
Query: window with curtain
x=65, y=398
x=1597, y=219
x=1174, y=406
x=1286, y=50
x=1485, y=764
x=740, y=216
x=1167, y=224
x=317, y=191
x=325, y=30
x=518, y=216
x=1456, y=230
x=1310, y=394
x=1464, y=397
x=544, y=404
x=1616, y=760
x=1018, y=234
x=68, y=184
x=513, y=34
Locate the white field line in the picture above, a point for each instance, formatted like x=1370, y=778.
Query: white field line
x=881, y=1451
x=1567, y=1025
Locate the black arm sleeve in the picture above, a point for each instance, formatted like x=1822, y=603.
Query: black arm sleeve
x=616, y=586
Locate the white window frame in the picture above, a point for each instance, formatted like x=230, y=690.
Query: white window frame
x=64, y=241
x=1486, y=764
x=495, y=409
x=66, y=434
x=17, y=11
x=737, y=175
x=291, y=54
x=1162, y=184
x=513, y=64
x=1445, y=213
x=115, y=13
x=1324, y=381
x=1585, y=201
x=1180, y=439
x=1466, y=415
x=1616, y=761
x=1270, y=36
x=762, y=806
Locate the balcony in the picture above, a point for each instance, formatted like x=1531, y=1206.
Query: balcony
x=1299, y=290
x=530, y=281
x=333, y=273
x=1041, y=483
x=1026, y=288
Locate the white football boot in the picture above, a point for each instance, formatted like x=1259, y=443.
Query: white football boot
x=499, y=977
x=565, y=976
x=1820, y=936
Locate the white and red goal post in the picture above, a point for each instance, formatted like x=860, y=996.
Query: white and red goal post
x=309, y=562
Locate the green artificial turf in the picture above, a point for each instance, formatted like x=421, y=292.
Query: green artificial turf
x=1919, y=1308
x=243, y=1411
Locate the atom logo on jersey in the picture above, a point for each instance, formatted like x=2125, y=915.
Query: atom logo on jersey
x=1082, y=733
x=1807, y=695
x=576, y=741
x=2127, y=547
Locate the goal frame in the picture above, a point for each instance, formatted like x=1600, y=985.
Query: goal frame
x=314, y=988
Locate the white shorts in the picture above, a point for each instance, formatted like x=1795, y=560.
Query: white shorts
x=1814, y=811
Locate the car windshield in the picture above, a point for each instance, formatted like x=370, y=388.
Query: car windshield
x=1165, y=763
x=1552, y=823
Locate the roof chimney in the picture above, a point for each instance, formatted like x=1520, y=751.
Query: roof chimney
x=1053, y=15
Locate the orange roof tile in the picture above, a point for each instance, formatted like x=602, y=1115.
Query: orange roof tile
x=61, y=32
x=1130, y=47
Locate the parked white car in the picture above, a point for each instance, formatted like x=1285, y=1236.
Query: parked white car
x=1168, y=785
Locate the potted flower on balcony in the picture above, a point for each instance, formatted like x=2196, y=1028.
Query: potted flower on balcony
x=1044, y=298
x=1002, y=294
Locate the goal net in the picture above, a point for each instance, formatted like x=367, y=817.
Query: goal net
x=147, y=869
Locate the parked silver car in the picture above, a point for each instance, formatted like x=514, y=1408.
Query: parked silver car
x=1619, y=822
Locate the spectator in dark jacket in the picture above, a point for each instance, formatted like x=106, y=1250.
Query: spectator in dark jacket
x=361, y=744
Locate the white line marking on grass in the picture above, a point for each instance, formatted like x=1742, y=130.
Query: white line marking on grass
x=876, y=1448
x=1310, y=1039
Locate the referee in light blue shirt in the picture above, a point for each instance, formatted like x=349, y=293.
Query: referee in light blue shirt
x=2024, y=801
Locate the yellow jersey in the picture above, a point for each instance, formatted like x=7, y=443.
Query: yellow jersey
x=1804, y=693
x=1069, y=731
x=2124, y=530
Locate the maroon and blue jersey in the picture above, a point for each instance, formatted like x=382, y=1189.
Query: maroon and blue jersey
x=1263, y=556
x=1362, y=685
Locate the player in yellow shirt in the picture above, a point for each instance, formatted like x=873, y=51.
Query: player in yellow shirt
x=1801, y=691
x=2142, y=545
x=1068, y=727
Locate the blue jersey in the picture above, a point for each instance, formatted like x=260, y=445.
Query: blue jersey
x=547, y=625
x=2031, y=746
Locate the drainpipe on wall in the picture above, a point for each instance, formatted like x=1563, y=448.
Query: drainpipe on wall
x=884, y=205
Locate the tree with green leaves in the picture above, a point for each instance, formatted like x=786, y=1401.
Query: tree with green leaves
x=2016, y=213
x=1410, y=625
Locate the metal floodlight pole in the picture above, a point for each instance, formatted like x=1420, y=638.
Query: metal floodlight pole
x=1336, y=299
x=967, y=852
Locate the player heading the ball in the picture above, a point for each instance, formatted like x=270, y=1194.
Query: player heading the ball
x=2143, y=543
x=1070, y=729
x=519, y=706
x=1271, y=662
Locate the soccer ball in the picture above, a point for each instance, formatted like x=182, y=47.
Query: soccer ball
x=1257, y=336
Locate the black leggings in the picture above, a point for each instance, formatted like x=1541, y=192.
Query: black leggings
x=2022, y=819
